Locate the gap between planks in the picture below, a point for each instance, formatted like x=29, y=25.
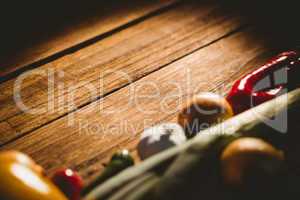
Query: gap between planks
x=81, y=34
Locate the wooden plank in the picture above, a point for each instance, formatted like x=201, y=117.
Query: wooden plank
x=7, y=130
x=52, y=42
x=113, y=122
x=136, y=52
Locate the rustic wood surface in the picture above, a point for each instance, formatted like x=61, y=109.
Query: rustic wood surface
x=161, y=45
x=136, y=51
x=82, y=32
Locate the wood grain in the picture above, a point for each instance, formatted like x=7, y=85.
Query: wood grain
x=135, y=51
x=81, y=144
x=52, y=42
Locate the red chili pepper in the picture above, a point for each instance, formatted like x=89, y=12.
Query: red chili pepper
x=267, y=82
x=69, y=182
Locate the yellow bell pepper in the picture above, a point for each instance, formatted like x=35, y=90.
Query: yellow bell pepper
x=22, y=179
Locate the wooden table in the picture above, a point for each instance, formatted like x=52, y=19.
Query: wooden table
x=91, y=87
